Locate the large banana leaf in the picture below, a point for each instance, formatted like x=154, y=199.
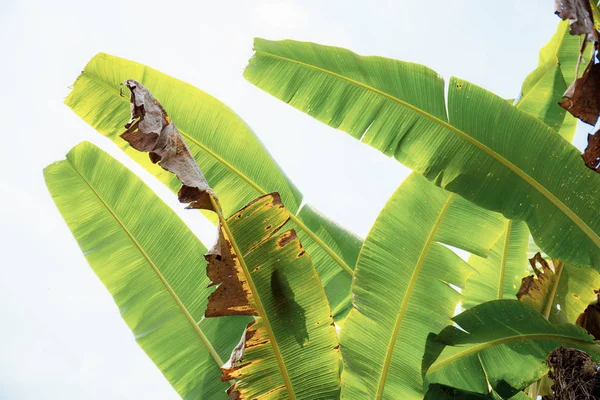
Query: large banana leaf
x=292, y=350
x=544, y=87
x=499, y=275
x=401, y=286
x=484, y=149
x=152, y=265
x=235, y=163
x=503, y=342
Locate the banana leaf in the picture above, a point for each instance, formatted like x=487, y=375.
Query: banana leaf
x=499, y=275
x=401, y=289
x=481, y=147
x=544, y=87
x=504, y=343
x=233, y=160
x=151, y=263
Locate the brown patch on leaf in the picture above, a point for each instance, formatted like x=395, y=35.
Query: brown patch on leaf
x=590, y=319
x=253, y=336
x=151, y=130
x=535, y=289
x=575, y=374
x=583, y=96
x=232, y=295
x=591, y=155
x=579, y=14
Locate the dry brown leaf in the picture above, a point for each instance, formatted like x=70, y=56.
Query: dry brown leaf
x=535, y=288
x=590, y=319
x=583, y=96
x=579, y=14
x=591, y=155
x=151, y=130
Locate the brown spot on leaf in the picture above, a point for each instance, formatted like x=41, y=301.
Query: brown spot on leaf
x=268, y=227
x=286, y=238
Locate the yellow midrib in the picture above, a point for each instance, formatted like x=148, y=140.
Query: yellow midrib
x=249, y=181
x=510, y=339
x=413, y=279
x=522, y=174
x=160, y=276
x=257, y=302
x=503, y=260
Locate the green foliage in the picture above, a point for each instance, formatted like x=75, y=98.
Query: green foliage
x=503, y=342
x=393, y=295
x=152, y=265
x=479, y=147
x=403, y=265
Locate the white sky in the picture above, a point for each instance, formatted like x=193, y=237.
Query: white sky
x=61, y=336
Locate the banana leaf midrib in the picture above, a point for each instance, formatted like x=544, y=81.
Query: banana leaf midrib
x=258, y=303
x=163, y=280
x=404, y=304
x=526, y=177
x=503, y=260
x=595, y=347
x=293, y=217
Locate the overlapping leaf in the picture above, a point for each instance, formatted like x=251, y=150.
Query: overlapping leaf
x=482, y=148
x=291, y=351
x=503, y=342
x=152, y=265
x=235, y=163
x=544, y=87
x=499, y=275
x=401, y=286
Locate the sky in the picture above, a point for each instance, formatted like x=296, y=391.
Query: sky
x=61, y=335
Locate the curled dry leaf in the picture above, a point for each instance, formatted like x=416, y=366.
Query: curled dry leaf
x=579, y=14
x=535, y=289
x=583, y=96
x=151, y=130
x=590, y=319
x=591, y=155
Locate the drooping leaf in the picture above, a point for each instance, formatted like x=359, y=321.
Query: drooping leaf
x=499, y=275
x=258, y=271
x=483, y=147
x=152, y=265
x=503, y=342
x=544, y=87
x=235, y=163
x=401, y=286
x=583, y=97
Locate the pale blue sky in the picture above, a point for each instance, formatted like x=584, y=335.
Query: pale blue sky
x=61, y=336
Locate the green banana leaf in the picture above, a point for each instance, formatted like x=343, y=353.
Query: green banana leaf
x=499, y=275
x=443, y=392
x=544, y=87
x=401, y=289
x=152, y=265
x=235, y=163
x=292, y=351
x=503, y=342
x=484, y=149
